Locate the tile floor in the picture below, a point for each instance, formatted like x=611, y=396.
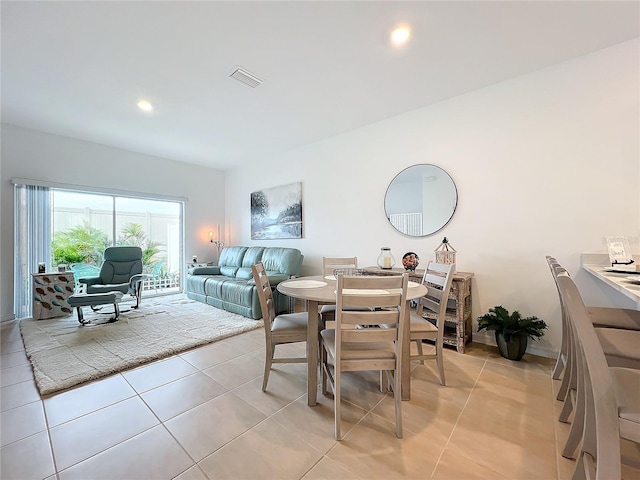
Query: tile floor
x=202, y=415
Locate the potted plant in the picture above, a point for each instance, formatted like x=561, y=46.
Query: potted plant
x=512, y=331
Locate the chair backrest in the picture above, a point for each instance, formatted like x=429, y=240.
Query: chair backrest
x=265, y=294
x=438, y=278
x=329, y=264
x=120, y=264
x=601, y=435
x=385, y=299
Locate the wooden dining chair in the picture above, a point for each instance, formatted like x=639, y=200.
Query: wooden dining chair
x=428, y=321
x=329, y=264
x=357, y=343
x=601, y=317
x=572, y=390
x=608, y=398
x=279, y=330
x=619, y=346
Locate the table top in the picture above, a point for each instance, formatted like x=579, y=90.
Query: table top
x=323, y=288
x=418, y=272
x=626, y=283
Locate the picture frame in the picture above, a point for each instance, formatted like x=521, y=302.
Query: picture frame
x=276, y=213
x=619, y=252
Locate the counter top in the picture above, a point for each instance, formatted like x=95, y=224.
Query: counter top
x=595, y=264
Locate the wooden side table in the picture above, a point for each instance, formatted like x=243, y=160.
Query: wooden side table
x=51, y=292
x=459, y=322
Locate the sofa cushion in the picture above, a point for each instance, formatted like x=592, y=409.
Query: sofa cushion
x=252, y=256
x=213, y=285
x=231, y=257
x=229, y=271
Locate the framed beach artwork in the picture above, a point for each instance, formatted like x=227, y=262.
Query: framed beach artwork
x=277, y=212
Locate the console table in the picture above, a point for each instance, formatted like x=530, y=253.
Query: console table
x=459, y=323
x=51, y=292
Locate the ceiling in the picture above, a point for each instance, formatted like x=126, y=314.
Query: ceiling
x=77, y=69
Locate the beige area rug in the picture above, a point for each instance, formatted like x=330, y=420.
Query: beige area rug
x=63, y=353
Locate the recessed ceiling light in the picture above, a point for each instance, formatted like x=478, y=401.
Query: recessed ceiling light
x=145, y=105
x=400, y=35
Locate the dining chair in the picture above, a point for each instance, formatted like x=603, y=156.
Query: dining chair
x=608, y=398
x=357, y=343
x=617, y=328
x=619, y=347
x=428, y=321
x=279, y=330
x=329, y=264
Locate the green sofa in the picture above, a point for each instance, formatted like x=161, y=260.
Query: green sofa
x=230, y=285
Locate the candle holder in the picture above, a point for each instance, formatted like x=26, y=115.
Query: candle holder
x=385, y=259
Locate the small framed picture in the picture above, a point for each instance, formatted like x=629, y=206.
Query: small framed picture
x=619, y=252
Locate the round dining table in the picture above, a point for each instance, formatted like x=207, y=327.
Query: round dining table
x=321, y=290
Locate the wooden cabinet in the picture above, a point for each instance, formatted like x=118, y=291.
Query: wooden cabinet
x=459, y=322
x=50, y=294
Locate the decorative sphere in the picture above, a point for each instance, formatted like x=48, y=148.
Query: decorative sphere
x=410, y=261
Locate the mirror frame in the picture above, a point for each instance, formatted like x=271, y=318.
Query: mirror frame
x=453, y=211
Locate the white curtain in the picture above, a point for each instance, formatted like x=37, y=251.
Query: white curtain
x=32, y=242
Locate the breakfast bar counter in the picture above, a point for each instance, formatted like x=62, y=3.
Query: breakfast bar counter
x=627, y=283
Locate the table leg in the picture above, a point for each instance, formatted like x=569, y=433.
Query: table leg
x=312, y=353
x=405, y=388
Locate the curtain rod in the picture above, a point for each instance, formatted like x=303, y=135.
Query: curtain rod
x=91, y=189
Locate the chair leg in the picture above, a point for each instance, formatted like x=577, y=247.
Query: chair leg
x=397, y=398
x=81, y=316
x=577, y=426
x=561, y=360
x=559, y=367
x=569, y=372
x=138, y=295
x=323, y=370
x=440, y=363
x=116, y=313
x=336, y=403
x=269, y=351
x=419, y=345
x=383, y=384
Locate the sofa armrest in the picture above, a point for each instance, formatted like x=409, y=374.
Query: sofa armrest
x=205, y=271
x=276, y=279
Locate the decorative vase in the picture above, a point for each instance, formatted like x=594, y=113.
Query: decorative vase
x=513, y=350
x=385, y=259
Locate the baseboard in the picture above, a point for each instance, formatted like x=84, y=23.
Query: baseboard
x=7, y=318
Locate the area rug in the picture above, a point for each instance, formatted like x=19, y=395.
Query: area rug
x=63, y=353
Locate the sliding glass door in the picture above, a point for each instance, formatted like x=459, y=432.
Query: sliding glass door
x=84, y=224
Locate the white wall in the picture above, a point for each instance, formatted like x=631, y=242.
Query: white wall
x=40, y=156
x=547, y=163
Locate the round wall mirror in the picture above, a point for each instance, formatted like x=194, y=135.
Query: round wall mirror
x=420, y=200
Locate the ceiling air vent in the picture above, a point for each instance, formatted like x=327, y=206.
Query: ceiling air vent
x=245, y=77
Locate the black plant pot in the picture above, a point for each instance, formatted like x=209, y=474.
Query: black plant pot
x=513, y=350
